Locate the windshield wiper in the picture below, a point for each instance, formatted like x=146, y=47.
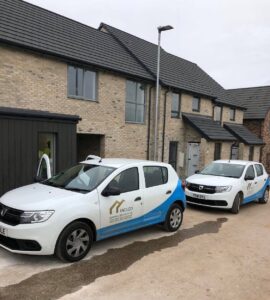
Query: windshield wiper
x=77, y=190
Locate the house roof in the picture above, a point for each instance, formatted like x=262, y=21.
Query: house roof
x=174, y=71
x=256, y=100
x=32, y=27
x=208, y=128
x=243, y=134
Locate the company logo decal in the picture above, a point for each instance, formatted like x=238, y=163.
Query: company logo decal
x=116, y=205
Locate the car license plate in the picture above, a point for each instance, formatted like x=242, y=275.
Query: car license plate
x=198, y=196
x=3, y=231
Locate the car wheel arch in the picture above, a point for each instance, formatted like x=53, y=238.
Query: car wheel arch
x=180, y=202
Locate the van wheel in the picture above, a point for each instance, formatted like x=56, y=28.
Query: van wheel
x=174, y=218
x=74, y=242
x=265, y=197
x=236, y=204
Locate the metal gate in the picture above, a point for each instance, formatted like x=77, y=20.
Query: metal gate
x=193, y=158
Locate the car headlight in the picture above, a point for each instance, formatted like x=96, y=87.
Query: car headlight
x=29, y=217
x=222, y=189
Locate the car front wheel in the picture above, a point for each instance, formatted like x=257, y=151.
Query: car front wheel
x=236, y=204
x=74, y=242
x=174, y=218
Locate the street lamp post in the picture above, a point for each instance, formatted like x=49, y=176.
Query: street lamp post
x=160, y=29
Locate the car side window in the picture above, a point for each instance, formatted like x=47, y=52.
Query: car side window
x=126, y=181
x=250, y=172
x=259, y=170
x=155, y=175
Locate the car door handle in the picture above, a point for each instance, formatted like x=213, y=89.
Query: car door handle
x=138, y=199
x=168, y=192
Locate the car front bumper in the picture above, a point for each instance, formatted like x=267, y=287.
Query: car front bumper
x=218, y=200
x=37, y=239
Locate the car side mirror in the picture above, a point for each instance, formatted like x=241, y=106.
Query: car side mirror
x=111, y=191
x=197, y=172
x=249, y=177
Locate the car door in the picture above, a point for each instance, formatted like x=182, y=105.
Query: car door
x=44, y=168
x=250, y=186
x=261, y=179
x=121, y=213
x=157, y=190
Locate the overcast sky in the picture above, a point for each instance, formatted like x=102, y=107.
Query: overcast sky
x=229, y=39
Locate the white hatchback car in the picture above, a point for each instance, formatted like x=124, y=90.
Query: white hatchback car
x=93, y=200
x=228, y=184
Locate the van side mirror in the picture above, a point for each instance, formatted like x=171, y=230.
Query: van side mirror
x=111, y=191
x=249, y=177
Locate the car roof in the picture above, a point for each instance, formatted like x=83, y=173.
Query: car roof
x=237, y=162
x=120, y=162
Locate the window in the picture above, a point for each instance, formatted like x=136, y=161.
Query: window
x=217, y=153
x=217, y=113
x=173, y=154
x=232, y=114
x=126, y=181
x=251, y=153
x=234, y=151
x=135, y=102
x=155, y=175
x=196, y=104
x=81, y=83
x=259, y=170
x=176, y=104
x=46, y=145
x=250, y=172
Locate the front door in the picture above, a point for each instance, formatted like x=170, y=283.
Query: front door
x=121, y=213
x=193, y=158
x=44, y=168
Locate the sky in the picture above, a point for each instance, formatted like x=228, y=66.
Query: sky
x=229, y=39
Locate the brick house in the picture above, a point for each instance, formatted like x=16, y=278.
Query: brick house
x=257, y=116
x=104, y=80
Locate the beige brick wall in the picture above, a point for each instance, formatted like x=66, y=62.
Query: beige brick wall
x=239, y=114
x=36, y=82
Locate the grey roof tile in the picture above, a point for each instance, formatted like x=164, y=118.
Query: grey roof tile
x=243, y=134
x=256, y=100
x=208, y=128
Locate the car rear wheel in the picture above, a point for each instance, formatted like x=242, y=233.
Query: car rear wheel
x=174, y=218
x=236, y=204
x=74, y=242
x=265, y=197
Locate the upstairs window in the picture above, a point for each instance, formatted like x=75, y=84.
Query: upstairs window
x=232, y=114
x=196, y=104
x=176, y=104
x=135, y=102
x=217, y=113
x=82, y=83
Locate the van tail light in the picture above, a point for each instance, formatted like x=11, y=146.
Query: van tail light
x=183, y=184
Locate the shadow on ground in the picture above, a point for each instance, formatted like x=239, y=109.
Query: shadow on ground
x=56, y=283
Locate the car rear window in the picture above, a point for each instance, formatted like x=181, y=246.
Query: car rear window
x=155, y=175
x=259, y=169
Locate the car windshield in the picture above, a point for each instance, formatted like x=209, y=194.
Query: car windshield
x=81, y=178
x=224, y=170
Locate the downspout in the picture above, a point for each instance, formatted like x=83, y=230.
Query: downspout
x=164, y=125
x=149, y=123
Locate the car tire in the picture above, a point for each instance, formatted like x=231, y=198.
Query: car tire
x=236, y=204
x=265, y=197
x=74, y=242
x=174, y=218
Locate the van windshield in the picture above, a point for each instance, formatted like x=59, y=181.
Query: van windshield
x=224, y=170
x=82, y=178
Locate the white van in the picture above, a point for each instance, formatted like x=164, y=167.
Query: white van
x=93, y=200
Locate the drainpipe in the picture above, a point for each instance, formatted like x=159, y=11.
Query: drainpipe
x=149, y=123
x=164, y=125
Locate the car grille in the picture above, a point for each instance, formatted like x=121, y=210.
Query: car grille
x=206, y=202
x=10, y=215
x=207, y=189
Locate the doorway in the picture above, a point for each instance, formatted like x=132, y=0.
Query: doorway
x=193, y=158
x=89, y=144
